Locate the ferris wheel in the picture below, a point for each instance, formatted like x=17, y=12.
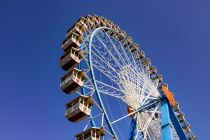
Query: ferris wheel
x=115, y=91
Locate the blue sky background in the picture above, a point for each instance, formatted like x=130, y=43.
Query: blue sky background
x=174, y=34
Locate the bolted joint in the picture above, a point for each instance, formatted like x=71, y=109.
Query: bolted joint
x=165, y=125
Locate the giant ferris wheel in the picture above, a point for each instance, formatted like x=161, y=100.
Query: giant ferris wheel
x=115, y=91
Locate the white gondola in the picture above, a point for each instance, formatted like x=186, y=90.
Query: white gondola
x=123, y=33
x=141, y=55
x=129, y=40
x=176, y=107
x=74, y=40
x=157, y=80
x=110, y=24
x=77, y=28
x=103, y=21
x=186, y=128
x=180, y=117
x=94, y=133
x=152, y=70
x=95, y=20
x=73, y=81
x=88, y=21
x=116, y=28
x=71, y=58
x=78, y=108
x=134, y=47
x=192, y=138
x=146, y=63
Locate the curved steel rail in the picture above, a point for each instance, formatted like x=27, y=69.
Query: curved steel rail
x=94, y=80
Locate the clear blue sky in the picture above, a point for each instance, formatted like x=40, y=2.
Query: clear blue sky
x=174, y=34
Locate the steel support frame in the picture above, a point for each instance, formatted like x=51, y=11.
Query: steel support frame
x=176, y=124
x=166, y=121
x=169, y=118
x=133, y=130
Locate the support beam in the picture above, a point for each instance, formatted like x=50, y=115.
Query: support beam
x=176, y=124
x=133, y=130
x=166, y=122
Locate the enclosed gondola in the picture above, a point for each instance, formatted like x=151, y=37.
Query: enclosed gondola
x=94, y=133
x=176, y=107
x=152, y=70
x=78, y=108
x=77, y=28
x=73, y=81
x=134, y=47
x=181, y=117
x=141, y=55
x=73, y=40
x=186, y=128
x=71, y=58
x=146, y=63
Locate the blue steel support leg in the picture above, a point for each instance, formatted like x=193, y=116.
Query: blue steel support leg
x=165, y=117
x=176, y=124
x=133, y=130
